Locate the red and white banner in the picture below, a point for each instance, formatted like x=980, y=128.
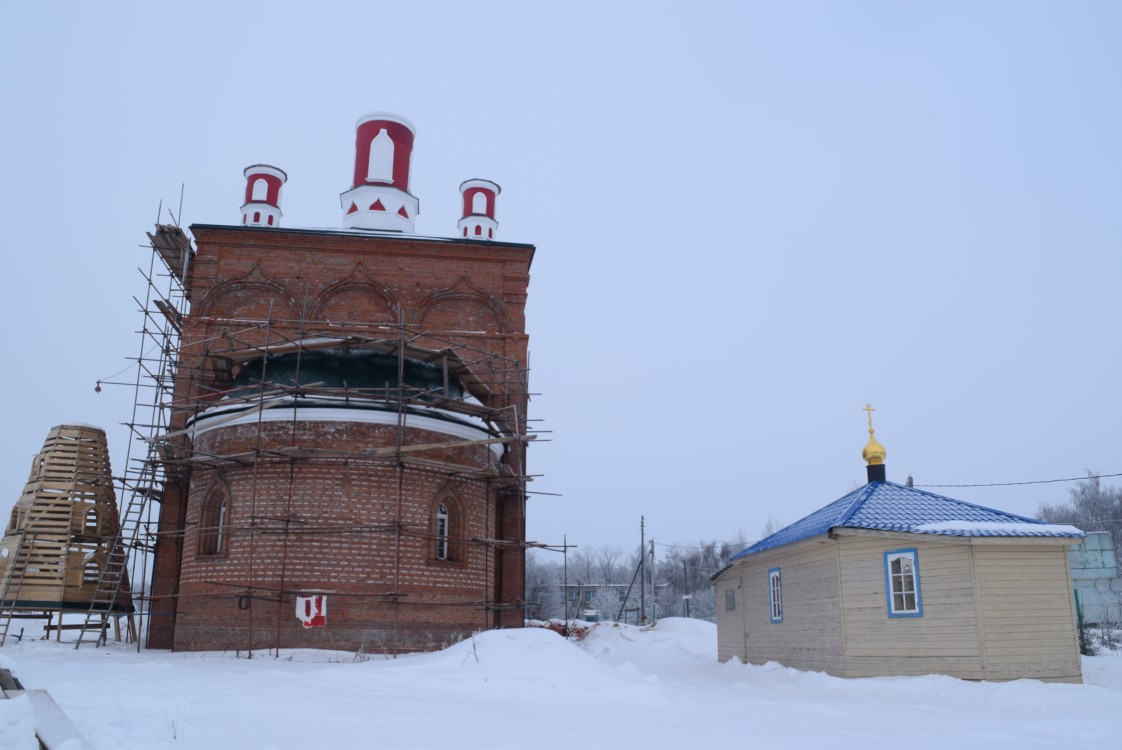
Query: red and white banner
x=312, y=610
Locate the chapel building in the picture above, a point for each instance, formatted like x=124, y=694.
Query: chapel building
x=346, y=458
x=890, y=579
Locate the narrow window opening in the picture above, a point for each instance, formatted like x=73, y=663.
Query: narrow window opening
x=212, y=525
x=92, y=521
x=91, y=572
x=901, y=571
x=260, y=190
x=775, y=595
x=442, y=532
x=380, y=166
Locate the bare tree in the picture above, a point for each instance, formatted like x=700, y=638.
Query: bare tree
x=771, y=526
x=687, y=569
x=1091, y=507
x=599, y=576
x=543, y=587
x=609, y=564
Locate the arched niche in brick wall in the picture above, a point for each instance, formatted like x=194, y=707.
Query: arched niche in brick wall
x=447, y=527
x=253, y=298
x=462, y=309
x=213, y=526
x=357, y=299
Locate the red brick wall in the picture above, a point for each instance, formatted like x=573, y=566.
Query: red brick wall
x=343, y=536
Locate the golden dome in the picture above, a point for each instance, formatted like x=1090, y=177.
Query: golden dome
x=873, y=452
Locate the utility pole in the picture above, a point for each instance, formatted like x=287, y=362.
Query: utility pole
x=642, y=570
x=565, y=587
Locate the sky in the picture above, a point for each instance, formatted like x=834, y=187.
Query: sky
x=751, y=220
x=621, y=686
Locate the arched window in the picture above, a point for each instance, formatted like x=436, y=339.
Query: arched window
x=92, y=521
x=479, y=203
x=212, y=524
x=91, y=572
x=260, y=189
x=442, y=532
x=380, y=166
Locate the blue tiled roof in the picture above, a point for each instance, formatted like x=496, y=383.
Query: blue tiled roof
x=893, y=507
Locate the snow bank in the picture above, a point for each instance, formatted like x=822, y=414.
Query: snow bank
x=622, y=686
x=17, y=724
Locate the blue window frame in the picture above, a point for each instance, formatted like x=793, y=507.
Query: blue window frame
x=775, y=595
x=901, y=583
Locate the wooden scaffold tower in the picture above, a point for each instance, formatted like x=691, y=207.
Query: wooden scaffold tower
x=62, y=538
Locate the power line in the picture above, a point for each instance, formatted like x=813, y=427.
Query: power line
x=1035, y=481
x=715, y=546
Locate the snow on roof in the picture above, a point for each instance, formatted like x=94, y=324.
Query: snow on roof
x=965, y=528
x=358, y=232
x=886, y=506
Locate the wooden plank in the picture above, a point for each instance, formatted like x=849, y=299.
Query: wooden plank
x=53, y=728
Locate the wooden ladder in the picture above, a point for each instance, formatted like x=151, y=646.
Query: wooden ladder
x=114, y=573
x=13, y=582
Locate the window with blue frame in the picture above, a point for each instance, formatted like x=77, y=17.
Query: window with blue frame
x=775, y=595
x=901, y=583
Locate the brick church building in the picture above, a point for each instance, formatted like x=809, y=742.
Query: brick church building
x=345, y=463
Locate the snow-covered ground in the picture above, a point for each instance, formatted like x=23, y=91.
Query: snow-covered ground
x=621, y=687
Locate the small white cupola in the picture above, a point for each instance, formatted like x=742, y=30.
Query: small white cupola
x=262, y=196
x=379, y=197
x=478, y=218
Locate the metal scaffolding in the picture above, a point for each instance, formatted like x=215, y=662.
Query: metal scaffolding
x=178, y=380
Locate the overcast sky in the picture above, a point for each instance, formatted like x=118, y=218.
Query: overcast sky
x=750, y=220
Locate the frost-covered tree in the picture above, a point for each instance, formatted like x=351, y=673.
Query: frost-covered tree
x=606, y=601
x=687, y=570
x=1091, y=507
x=599, y=578
x=543, y=586
x=771, y=526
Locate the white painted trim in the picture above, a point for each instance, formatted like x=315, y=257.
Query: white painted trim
x=307, y=413
x=478, y=183
x=392, y=198
x=473, y=221
x=387, y=116
x=266, y=169
x=266, y=209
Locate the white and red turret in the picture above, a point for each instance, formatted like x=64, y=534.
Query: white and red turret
x=262, y=196
x=478, y=222
x=379, y=197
